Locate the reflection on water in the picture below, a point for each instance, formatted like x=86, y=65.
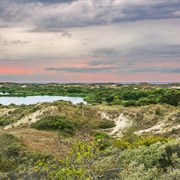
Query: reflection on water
x=36, y=99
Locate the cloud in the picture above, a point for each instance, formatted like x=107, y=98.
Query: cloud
x=82, y=69
x=17, y=42
x=118, y=70
x=46, y=14
x=152, y=54
x=155, y=69
x=101, y=62
x=54, y=1
x=151, y=10
x=46, y=1
x=105, y=52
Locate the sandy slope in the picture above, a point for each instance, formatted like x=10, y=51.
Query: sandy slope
x=121, y=123
x=29, y=119
x=166, y=123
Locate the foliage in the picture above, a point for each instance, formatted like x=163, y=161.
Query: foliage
x=157, y=158
x=9, y=146
x=55, y=122
x=104, y=139
x=129, y=143
x=158, y=111
x=99, y=156
x=80, y=163
x=85, y=160
x=9, y=151
x=100, y=135
x=171, y=97
x=7, y=164
x=105, y=124
x=112, y=94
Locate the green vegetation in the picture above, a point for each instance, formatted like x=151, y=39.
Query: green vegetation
x=9, y=152
x=131, y=142
x=87, y=160
x=106, y=124
x=62, y=141
x=151, y=158
x=15, y=162
x=55, y=122
x=112, y=94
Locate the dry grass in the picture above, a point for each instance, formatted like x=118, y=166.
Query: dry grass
x=36, y=141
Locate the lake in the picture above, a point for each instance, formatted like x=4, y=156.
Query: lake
x=36, y=99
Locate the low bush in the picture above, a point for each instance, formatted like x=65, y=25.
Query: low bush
x=100, y=135
x=158, y=155
x=7, y=164
x=103, y=139
x=105, y=124
x=55, y=122
x=126, y=143
x=5, y=121
x=9, y=152
x=10, y=146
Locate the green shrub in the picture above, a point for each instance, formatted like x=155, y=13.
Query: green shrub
x=10, y=146
x=100, y=135
x=80, y=163
x=129, y=143
x=7, y=164
x=55, y=122
x=156, y=155
x=34, y=109
x=5, y=121
x=9, y=152
x=103, y=139
x=158, y=111
x=105, y=124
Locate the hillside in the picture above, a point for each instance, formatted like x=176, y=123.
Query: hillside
x=60, y=140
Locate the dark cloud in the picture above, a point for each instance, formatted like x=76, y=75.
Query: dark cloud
x=52, y=1
x=159, y=50
x=83, y=13
x=151, y=69
x=153, y=53
x=170, y=70
x=83, y=69
x=42, y=1
x=158, y=10
x=131, y=57
x=102, y=62
x=124, y=70
x=105, y=52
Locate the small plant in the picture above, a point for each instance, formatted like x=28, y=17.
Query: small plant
x=105, y=124
x=7, y=164
x=9, y=152
x=100, y=135
x=158, y=111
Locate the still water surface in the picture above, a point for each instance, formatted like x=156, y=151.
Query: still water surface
x=36, y=99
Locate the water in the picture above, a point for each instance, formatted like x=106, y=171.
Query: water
x=36, y=99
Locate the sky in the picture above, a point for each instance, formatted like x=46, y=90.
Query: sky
x=90, y=40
